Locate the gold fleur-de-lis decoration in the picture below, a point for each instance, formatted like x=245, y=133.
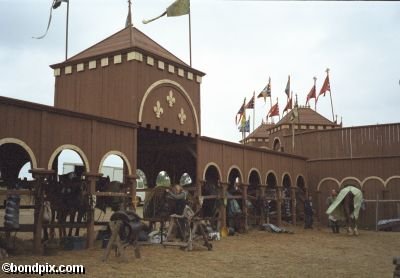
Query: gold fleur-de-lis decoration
x=158, y=109
x=171, y=99
x=182, y=116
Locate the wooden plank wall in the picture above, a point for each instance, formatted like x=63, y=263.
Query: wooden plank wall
x=44, y=129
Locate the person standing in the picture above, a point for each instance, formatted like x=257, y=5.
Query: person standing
x=333, y=222
x=308, y=213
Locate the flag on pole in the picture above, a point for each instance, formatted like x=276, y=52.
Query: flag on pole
x=325, y=87
x=274, y=111
x=54, y=5
x=250, y=104
x=240, y=112
x=245, y=125
x=288, y=106
x=178, y=8
x=295, y=111
x=311, y=94
x=266, y=92
x=287, y=89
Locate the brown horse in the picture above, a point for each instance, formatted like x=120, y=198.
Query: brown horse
x=116, y=203
x=68, y=199
x=348, y=209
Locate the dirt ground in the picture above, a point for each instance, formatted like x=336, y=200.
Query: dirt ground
x=306, y=253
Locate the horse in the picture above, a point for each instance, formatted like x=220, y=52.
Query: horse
x=157, y=205
x=116, y=203
x=67, y=198
x=347, y=207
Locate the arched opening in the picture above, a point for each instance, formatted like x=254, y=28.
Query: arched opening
x=67, y=193
x=254, y=182
x=16, y=159
x=141, y=184
x=234, y=181
x=68, y=161
x=373, y=189
x=185, y=180
x=113, y=168
x=255, y=204
x=164, y=151
x=350, y=181
x=24, y=173
x=392, y=210
x=15, y=162
x=234, y=206
x=163, y=179
x=277, y=145
x=156, y=204
x=301, y=195
x=271, y=195
x=325, y=190
x=287, y=198
x=210, y=189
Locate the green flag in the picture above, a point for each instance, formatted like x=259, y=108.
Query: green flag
x=178, y=8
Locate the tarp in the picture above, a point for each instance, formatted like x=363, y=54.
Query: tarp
x=336, y=208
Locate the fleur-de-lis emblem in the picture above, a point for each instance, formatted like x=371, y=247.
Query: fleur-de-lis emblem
x=182, y=116
x=158, y=109
x=171, y=99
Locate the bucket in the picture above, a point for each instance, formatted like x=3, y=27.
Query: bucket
x=104, y=243
x=74, y=243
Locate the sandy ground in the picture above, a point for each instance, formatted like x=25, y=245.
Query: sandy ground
x=306, y=253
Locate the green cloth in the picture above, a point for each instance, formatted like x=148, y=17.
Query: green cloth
x=336, y=208
x=178, y=8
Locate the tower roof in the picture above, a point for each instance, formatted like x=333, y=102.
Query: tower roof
x=307, y=116
x=123, y=40
x=261, y=131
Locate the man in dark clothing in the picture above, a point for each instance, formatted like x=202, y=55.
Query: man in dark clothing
x=179, y=196
x=308, y=213
x=333, y=222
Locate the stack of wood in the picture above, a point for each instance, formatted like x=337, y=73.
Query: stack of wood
x=396, y=262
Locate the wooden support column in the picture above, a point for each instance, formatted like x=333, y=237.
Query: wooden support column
x=279, y=205
x=199, y=178
x=222, y=209
x=262, y=198
x=319, y=203
x=91, y=178
x=244, y=205
x=198, y=193
x=40, y=175
x=293, y=200
x=131, y=179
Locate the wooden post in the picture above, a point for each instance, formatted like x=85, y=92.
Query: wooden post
x=244, y=205
x=199, y=179
x=376, y=212
x=279, y=205
x=319, y=203
x=40, y=175
x=131, y=179
x=262, y=197
x=293, y=200
x=91, y=178
x=222, y=208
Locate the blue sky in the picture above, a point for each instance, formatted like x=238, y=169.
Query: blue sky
x=238, y=44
